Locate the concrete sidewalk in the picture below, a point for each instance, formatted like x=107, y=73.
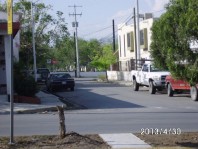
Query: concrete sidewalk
x=125, y=83
x=124, y=141
x=48, y=102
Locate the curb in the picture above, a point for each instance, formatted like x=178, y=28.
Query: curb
x=40, y=110
x=125, y=83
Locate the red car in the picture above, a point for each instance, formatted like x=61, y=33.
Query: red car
x=174, y=85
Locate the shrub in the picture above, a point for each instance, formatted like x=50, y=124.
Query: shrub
x=102, y=78
x=24, y=85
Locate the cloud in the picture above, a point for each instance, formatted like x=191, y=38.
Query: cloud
x=151, y=6
x=123, y=14
x=159, y=5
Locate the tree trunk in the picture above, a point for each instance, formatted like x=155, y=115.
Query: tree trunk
x=62, y=122
x=107, y=76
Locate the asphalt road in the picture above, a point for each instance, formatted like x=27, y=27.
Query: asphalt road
x=111, y=108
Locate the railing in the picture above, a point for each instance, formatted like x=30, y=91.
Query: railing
x=132, y=64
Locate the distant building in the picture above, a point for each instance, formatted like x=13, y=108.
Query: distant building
x=126, y=43
x=4, y=54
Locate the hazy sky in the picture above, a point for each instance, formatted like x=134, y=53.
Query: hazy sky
x=98, y=14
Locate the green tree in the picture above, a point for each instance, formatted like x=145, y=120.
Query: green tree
x=61, y=42
x=42, y=21
x=104, y=59
x=88, y=50
x=172, y=34
x=49, y=32
x=64, y=53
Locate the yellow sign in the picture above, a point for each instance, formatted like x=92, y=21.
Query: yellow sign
x=9, y=12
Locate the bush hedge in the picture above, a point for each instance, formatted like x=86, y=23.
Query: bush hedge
x=24, y=84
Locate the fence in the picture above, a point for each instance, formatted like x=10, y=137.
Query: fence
x=122, y=70
x=129, y=65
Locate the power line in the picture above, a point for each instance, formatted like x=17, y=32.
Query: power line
x=108, y=36
x=97, y=31
x=126, y=21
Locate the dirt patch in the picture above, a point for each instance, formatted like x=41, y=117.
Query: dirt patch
x=76, y=141
x=71, y=141
x=163, y=140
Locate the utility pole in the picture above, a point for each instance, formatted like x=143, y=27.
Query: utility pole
x=113, y=36
x=134, y=17
x=138, y=34
x=33, y=41
x=75, y=55
x=75, y=24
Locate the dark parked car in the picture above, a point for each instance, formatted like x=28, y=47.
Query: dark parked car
x=60, y=80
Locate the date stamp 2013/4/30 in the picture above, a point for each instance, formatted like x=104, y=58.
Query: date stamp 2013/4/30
x=160, y=131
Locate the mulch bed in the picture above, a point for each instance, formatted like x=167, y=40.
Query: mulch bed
x=71, y=141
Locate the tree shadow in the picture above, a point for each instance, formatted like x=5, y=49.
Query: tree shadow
x=85, y=97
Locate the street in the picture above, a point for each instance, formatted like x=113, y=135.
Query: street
x=111, y=108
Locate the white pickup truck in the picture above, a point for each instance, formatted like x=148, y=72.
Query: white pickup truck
x=149, y=76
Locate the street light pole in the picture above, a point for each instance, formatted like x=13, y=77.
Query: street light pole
x=33, y=42
x=9, y=66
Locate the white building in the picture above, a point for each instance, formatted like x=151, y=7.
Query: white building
x=4, y=49
x=126, y=43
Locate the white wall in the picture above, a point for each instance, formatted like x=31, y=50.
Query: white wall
x=4, y=16
x=5, y=70
x=88, y=74
x=119, y=75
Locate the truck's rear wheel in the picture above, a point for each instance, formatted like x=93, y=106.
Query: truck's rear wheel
x=194, y=93
x=170, y=91
x=135, y=85
x=152, y=88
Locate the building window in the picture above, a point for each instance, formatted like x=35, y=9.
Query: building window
x=128, y=40
x=120, y=46
x=132, y=42
x=141, y=37
x=124, y=47
x=144, y=39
